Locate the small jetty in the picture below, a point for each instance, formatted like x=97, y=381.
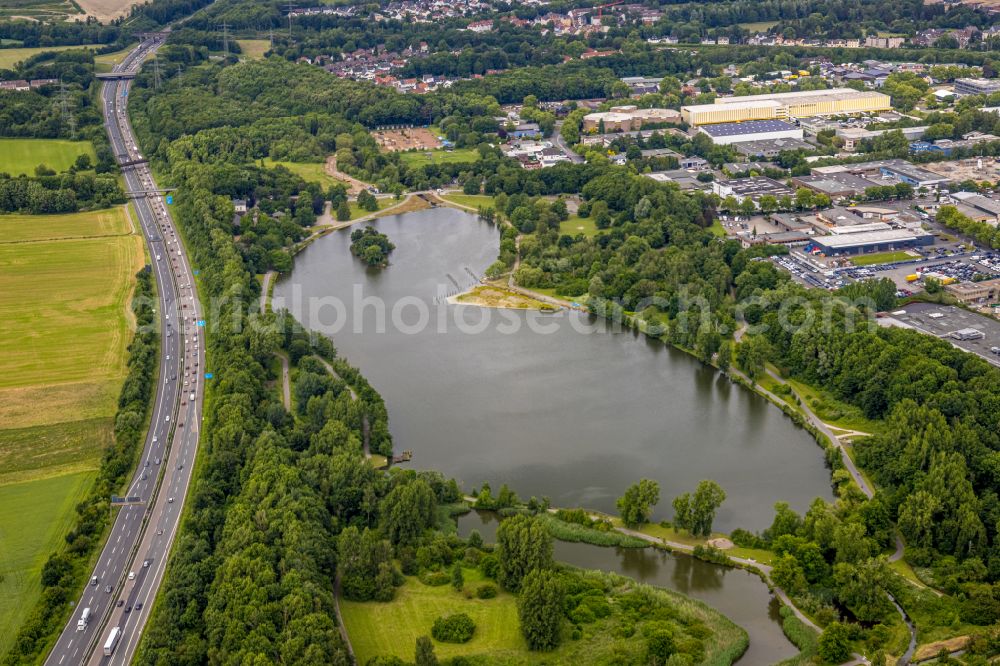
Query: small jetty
x=405, y=456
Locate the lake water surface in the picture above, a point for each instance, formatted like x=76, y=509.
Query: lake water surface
x=573, y=415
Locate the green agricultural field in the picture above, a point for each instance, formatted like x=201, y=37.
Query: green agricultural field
x=56, y=449
x=65, y=282
x=21, y=228
x=419, y=158
x=9, y=57
x=254, y=49
x=21, y=156
x=63, y=305
x=34, y=518
x=881, y=258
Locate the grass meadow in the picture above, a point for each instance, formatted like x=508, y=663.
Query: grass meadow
x=421, y=158
x=392, y=628
x=313, y=172
x=34, y=517
x=65, y=283
x=21, y=156
x=254, y=49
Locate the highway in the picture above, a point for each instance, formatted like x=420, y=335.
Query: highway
x=131, y=566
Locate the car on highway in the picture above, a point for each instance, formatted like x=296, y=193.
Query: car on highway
x=107, y=588
x=121, y=602
x=170, y=500
x=138, y=605
x=131, y=575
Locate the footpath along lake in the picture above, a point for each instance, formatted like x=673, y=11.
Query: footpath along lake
x=553, y=405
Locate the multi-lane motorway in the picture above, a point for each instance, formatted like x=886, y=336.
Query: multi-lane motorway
x=125, y=580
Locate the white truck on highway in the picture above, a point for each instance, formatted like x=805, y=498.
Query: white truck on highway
x=81, y=624
x=112, y=642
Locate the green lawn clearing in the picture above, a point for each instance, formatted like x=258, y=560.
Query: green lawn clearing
x=21, y=156
x=21, y=228
x=574, y=225
x=717, y=229
x=254, y=49
x=758, y=26
x=419, y=158
x=882, y=258
x=392, y=628
x=314, y=172
x=34, y=518
x=472, y=201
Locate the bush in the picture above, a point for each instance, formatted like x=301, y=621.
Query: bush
x=582, y=615
x=489, y=566
x=435, y=578
x=486, y=591
x=457, y=628
x=747, y=539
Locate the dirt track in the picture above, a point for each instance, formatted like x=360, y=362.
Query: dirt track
x=354, y=186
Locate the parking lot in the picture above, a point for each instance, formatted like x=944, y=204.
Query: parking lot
x=942, y=320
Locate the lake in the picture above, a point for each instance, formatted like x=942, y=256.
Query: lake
x=553, y=405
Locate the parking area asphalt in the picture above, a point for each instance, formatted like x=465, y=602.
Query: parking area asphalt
x=944, y=321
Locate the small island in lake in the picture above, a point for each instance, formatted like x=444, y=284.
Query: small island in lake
x=371, y=246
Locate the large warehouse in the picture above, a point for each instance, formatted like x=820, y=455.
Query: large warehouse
x=871, y=241
x=751, y=130
x=801, y=104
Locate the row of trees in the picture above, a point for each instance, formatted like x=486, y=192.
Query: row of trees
x=692, y=512
x=59, y=194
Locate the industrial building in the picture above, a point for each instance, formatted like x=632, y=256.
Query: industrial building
x=769, y=148
x=976, y=86
x=781, y=106
x=977, y=207
x=888, y=172
x=883, y=240
x=852, y=136
x=835, y=185
x=628, y=118
x=725, y=134
x=941, y=320
x=752, y=188
x=987, y=291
